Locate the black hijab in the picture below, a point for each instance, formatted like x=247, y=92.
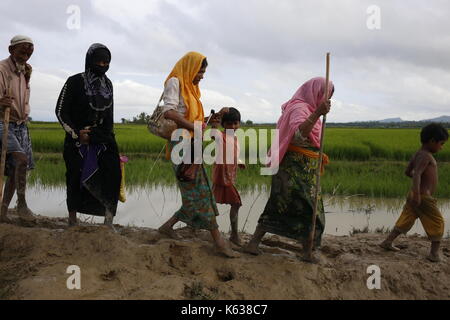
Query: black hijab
x=97, y=86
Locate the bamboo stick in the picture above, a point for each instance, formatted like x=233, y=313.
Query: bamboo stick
x=310, y=243
x=6, y=113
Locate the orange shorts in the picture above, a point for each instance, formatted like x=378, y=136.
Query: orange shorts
x=429, y=215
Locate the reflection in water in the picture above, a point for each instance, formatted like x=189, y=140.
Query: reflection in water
x=151, y=206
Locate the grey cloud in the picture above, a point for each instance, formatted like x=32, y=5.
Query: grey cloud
x=265, y=47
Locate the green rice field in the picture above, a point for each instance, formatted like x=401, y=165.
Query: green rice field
x=341, y=143
x=363, y=161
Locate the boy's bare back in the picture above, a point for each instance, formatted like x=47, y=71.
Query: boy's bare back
x=423, y=170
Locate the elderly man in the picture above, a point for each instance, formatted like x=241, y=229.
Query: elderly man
x=14, y=94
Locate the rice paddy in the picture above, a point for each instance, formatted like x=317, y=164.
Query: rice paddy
x=370, y=162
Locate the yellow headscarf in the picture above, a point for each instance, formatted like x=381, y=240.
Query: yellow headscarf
x=185, y=70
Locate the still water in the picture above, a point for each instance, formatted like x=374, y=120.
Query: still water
x=151, y=206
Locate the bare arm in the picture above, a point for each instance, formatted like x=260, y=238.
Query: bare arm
x=420, y=164
x=410, y=168
x=179, y=120
x=306, y=127
x=183, y=123
x=214, y=124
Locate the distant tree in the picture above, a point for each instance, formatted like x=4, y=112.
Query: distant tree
x=249, y=122
x=141, y=118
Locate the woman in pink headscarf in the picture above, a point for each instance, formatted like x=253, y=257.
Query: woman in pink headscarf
x=289, y=209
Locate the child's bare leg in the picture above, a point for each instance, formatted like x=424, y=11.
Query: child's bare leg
x=222, y=246
x=387, y=244
x=252, y=246
x=167, y=228
x=234, y=219
x=73, y=218
x=434, y=252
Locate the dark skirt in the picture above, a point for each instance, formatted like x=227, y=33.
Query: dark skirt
x=227, y=195
x=101, y=191
x=290, y=207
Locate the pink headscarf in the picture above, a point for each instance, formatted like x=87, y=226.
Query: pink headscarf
x=295, y=111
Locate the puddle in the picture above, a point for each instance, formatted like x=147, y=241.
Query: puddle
x=150, y=207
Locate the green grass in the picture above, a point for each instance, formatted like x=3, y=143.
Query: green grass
x=376, y=179
x=49, y=138
x=340, y=143
x=364, y=144
x=370, y=178
x=363, y=161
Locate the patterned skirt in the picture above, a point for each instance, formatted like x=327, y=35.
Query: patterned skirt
x=290, y=207
x=198, y=209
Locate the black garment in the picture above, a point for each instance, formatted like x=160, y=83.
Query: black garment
x=97, y=86
x=75, y=113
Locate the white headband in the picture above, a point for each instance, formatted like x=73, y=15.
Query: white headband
x=20, y=39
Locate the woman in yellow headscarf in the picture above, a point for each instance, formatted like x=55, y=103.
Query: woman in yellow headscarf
x=182, y=105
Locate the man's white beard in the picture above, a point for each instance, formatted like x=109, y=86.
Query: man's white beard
x=20, y=67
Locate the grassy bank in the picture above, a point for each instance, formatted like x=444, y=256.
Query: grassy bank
x=370, y=178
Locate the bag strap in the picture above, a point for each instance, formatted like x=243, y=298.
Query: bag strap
x=157, y=106
x=160, y=99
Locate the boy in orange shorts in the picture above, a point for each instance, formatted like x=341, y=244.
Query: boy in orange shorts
x=420, y=204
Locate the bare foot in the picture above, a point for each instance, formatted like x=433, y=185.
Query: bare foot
x=111, y=227
x=194, y=232
x=252, y=249
x=236, y=240
x=434, y=257
x=310, y=258
x=25, y=212
x=227, y=252
x=4, y=219
x=169, y=232
x=388, y=246
x=73, y=222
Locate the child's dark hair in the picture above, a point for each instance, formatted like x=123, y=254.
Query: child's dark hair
x=433, y=131
x=231, y=116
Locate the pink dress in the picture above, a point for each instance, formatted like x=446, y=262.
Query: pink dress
x=224, y=175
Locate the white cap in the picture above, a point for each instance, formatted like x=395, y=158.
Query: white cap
x=20, y=39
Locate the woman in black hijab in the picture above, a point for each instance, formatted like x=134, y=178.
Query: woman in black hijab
x=85, y=111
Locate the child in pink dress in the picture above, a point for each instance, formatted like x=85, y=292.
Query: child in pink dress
x=225, y=169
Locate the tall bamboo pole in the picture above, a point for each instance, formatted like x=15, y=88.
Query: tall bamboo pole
x=318, y=171
x=7, y=110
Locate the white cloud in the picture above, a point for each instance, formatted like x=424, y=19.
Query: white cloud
x=265, y=48
x=127, y=14
x=44, y=95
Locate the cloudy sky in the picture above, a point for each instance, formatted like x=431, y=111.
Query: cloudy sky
x=389, y=58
